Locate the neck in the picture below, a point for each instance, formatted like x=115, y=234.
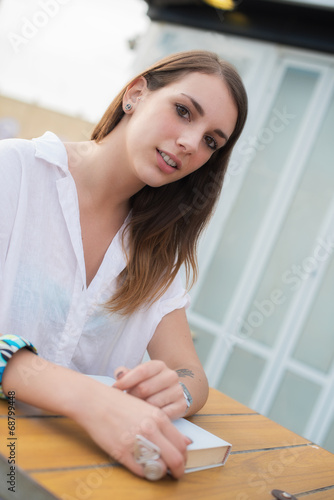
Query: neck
x=101, y=171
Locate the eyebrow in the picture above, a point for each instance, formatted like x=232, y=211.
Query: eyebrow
x=200, y=111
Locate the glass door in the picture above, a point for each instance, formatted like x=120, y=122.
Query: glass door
x=262, y=310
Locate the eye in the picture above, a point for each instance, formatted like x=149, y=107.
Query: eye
x=183, y=111
x=210, y=142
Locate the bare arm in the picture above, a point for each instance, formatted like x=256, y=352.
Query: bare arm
x=120, y=416
x=172, y=343
x=157, y=382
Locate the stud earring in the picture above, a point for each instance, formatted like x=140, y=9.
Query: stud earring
x=127, y=107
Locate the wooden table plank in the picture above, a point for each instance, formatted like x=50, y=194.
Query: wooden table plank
x=296, y=470
x=221, y=404
x=249, y=432
x=22, y=409
x=246, y=476
x=68, y=445
x=320, y=495
x=57, y=453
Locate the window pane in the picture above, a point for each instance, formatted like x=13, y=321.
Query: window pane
x=241, y=375
x=203, y=342
x=272, y=147
x=294, y=402
x=329, y=440
x=293, y=259
x=316, y=343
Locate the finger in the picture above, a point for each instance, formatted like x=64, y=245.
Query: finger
x=172, y=394
x=170, y=435
x=154, y=389
x=137, y=465
x=172, y=444
x=139, y=374
x=127, y=379
x=174, y=456
x=139, y=469
x=120, y=372
x=165, y=380
x=175, y=410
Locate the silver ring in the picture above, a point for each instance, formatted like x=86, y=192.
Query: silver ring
x=153, y=470
x=147, y=453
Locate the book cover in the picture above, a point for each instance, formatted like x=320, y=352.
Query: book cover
x=207, y=450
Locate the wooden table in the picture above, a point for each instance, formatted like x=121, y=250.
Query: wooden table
x=56, y=459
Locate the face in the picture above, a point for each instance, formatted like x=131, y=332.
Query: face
x=173, y=131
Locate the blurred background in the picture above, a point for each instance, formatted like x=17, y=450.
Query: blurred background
x=66, y=56
x=262, y=310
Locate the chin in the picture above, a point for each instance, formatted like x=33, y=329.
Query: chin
x=159, y=183
x=155, y=184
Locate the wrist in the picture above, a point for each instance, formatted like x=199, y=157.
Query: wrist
x=43, y=384
x=86, y=397
x=9, y=346
x=187, y=396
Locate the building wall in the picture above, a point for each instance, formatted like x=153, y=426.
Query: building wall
x=26, y=120
x=262, y=312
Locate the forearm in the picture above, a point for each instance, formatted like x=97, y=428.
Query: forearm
x=160, y=385
x=120, y=416
x=172, y=343
x=43, y=384
x=194, y=378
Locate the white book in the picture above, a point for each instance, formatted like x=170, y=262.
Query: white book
x=206, y=451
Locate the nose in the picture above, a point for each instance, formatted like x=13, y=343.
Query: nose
x=189, y=141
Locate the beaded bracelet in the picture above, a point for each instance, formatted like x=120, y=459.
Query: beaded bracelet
x=9, y=345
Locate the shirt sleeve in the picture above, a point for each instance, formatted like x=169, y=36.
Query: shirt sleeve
x=10, y=184
x=175, y=297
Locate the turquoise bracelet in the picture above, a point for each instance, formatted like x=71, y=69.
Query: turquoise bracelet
x=9, y=345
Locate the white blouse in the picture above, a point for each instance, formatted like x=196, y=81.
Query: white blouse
x=43, y=293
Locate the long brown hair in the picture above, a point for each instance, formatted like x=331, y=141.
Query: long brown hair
x=166, y=221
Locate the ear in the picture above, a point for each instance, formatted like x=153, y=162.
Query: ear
x=135, y=91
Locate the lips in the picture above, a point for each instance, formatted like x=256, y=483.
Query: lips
x=169, y=159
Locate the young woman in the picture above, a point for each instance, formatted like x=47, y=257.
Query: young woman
x=92, y=239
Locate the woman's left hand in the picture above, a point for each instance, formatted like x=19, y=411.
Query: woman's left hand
x=156, y=384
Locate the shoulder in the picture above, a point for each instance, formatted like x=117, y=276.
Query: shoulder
x=19, y=155
x=175, y=297
x=14, y=154
x=15, y=151
x=48, y=147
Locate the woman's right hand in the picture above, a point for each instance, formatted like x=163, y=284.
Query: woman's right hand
x=111, y=417
x=115, y=420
